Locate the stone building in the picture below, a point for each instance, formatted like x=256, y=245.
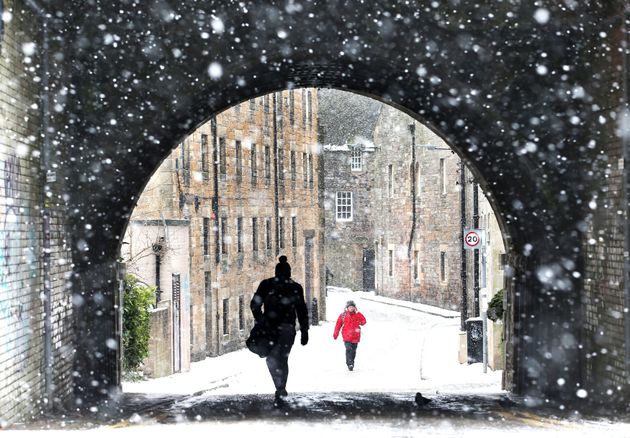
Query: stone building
x=246, y=185
x=393, y=210
x=346, y=134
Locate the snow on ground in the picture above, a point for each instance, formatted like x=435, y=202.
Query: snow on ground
x=402, y=349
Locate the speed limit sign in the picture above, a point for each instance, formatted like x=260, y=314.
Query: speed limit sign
x=473, y=238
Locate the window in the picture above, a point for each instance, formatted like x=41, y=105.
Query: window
x=293, y=231
x=309, y=106
x=207, y=284
x=344, y=206
x=281, y=164
x=217, y=240
x=239, y=235
x=252, y=110
x=268, y=233
x=443, y=176
x=186, y=161
x=279, y=115
x=241, y=312
x=292, y=107
x=442, y=266
x=205, y=234
x=239, y=162
x=391, y=263
x=281, y=232
x=222, y=157
x=237, y=110
x=224, y=236
x=254, y=234
x=266, y=113
x=204, y=156
x=226, y=316
x=305, y=168
x=310, y=170
x=356, y=158
x=293, y=167
x=390, y=180
x=415, y=265
x=303, y=107
x=267, y=165
x=253, y=163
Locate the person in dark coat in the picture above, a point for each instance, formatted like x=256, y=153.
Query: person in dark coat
x=276, y=303
x=349, y=323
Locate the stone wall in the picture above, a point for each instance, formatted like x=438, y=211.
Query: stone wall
x=139, y=253
x=225, y=269
x=159, y=363
x=419, y=261
x=346, y=239
x=22, y=381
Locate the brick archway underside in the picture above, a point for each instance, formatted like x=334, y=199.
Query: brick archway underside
x=511, y=92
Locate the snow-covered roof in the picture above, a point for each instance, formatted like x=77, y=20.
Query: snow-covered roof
x=366, y=146
x=345, y=117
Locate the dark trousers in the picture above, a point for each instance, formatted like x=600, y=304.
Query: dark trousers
x=351, y=352
x=278, y=359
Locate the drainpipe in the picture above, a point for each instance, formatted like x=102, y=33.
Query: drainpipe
x=215, y=196
x=462, y=194
x=45, y=169
x=412, y=130
x=275, y=175
x=625, y=45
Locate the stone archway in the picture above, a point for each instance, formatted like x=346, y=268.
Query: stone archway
x=508, y=87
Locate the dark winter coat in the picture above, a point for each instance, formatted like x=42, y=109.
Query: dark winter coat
x=282, y=300
x=350, y=325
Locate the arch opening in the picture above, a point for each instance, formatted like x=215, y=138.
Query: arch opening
x=340, y=159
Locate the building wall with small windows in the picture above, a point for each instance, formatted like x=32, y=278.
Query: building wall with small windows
x=347, y=212
x=248, y=184
x=403, y=238
x=346, y=125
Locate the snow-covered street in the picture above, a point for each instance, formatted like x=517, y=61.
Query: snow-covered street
x=403, y=351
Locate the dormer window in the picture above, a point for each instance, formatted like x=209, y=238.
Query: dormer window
x=356, y=158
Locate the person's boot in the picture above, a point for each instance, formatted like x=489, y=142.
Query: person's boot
x=350, y=367
x=279, y=397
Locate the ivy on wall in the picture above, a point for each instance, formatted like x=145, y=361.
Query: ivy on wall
x=138, y=299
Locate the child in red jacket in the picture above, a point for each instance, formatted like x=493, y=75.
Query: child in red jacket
x=350, y=322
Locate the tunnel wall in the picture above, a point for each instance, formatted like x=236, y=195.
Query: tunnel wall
x=509, y=86
x=22, y=235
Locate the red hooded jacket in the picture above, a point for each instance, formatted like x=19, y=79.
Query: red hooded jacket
x=351, y=323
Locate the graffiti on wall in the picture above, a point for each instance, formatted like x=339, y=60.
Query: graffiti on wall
x=14, y=311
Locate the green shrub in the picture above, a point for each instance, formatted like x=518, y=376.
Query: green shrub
x=138, y=299
x=495, y=306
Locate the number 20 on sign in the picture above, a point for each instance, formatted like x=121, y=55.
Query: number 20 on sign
x=473, y=239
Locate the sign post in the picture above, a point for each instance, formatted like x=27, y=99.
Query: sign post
x=475, y=239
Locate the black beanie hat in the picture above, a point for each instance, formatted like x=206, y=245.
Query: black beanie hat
x=350, y=303
x=283, y=269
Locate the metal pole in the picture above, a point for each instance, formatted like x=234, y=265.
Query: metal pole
x=276, y=208
x=45, y=169
x=410, y=261
x=215, y=195
x=484, y=318
x=476, y=251
x=626, y=187
x=462, y=194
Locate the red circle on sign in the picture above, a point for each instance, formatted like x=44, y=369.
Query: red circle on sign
x=472, y=233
